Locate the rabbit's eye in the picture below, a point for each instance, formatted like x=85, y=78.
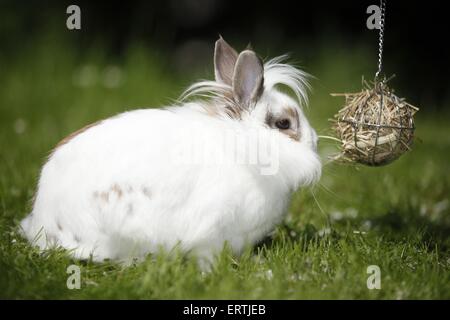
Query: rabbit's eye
x=283, y=124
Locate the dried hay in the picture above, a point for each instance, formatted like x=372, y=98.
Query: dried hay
x=375, y=127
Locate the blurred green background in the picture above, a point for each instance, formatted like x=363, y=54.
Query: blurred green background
x=54, y=81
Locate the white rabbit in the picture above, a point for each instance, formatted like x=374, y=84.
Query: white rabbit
x=123, y=187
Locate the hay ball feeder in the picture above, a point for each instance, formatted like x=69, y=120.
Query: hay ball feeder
x=375, y=127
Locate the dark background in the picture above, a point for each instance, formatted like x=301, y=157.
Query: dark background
x=416, y=40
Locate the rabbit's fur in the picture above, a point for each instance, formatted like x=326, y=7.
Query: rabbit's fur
x=119, y=189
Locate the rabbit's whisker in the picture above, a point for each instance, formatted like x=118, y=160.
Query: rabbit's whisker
x=320, y=207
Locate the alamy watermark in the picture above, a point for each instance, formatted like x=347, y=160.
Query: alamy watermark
x=253, y=147
x=374, y=280
x=73, y=21
x=374, y=20
x=74, y=279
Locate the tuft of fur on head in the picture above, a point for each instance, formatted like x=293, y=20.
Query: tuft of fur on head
x=214, y=95
x=278, y=73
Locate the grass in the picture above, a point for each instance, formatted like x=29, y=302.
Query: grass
x=396, y=217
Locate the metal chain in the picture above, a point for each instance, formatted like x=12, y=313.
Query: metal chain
x=381, y=38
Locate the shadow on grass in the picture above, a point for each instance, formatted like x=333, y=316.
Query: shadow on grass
x=395, y=225
x=306, y=234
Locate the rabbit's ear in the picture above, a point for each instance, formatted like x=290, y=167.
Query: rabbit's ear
x=224, y=60
x=248, y=78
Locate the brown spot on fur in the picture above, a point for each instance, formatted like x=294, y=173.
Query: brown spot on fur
x=58, y=225
x=233, y=112
x=292, y=134
x=230, y=110
x=77, y=238
x=211, y=111
x=295, y=132
x=115, y=188
x=292, y=112
x=104, y=196
x=73, y=135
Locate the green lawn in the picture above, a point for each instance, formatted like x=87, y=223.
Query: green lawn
x=396, y=217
